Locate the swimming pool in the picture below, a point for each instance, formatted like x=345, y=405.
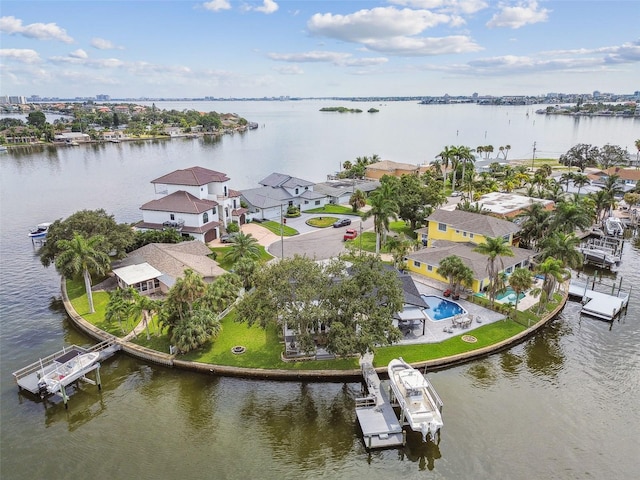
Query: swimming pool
x=441, y=308
x=509, y=295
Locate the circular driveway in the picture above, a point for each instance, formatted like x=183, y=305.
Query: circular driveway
x=317, y=243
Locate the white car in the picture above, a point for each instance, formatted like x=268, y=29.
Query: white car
x=456, y=194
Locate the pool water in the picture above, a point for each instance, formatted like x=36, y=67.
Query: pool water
x=441, y=308
x=509, y=295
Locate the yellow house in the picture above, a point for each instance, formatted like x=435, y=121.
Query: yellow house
x=457, y=233
x=460, y=226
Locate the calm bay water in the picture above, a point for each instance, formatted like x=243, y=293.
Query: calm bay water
x=561, y=405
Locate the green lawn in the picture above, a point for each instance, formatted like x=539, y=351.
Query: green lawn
x=334, y=209
x=278, y=229
x=402, y=228
x=221, y=257
x=322, y=222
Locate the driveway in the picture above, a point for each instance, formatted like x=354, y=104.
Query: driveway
x=318, y=243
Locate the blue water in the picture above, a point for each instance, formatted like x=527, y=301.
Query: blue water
x=441, y=308
x=509, y=291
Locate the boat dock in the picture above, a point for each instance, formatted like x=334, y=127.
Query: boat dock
x=378, y=421
x=597, y=304
x=28, y=378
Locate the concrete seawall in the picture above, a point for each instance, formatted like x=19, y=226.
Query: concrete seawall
x=153, y=356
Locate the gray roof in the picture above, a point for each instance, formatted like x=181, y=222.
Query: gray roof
x=179, y=202
x=194, y=176
x=474, y=222
x=265, y=197
x=474, y=260
x=338, y=188
x=282, y=180
x=173, y=258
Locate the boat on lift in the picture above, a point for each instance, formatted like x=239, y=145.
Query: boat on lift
x=40, y=230
x=420, y=404
x=64, y=371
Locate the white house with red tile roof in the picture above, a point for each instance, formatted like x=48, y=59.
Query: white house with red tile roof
x=196, y=201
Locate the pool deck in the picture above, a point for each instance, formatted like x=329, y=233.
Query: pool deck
x=435, y=330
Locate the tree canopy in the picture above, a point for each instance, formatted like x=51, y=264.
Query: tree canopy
x=88, y=223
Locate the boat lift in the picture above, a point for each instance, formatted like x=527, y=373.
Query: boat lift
x=28, y=378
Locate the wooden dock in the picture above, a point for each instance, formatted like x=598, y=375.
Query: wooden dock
x=378, y=421
x=597, y=304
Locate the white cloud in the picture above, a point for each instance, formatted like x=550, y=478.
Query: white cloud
x=466, y=7
x=383, y=22
x=289, y=70
x=217, y=5
x=519, y=16
x=423, y=46
x=268, y=7
x=79, y=54
x=336, y=58
x=39, y=31
x=22, y=55
x=102, y=44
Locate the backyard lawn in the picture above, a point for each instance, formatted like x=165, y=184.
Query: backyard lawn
x=334, y=209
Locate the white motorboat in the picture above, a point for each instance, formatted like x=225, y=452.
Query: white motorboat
x=599, y=255
x=40, y=230
x=421, y=406
x=613, y=226
x=63, y=371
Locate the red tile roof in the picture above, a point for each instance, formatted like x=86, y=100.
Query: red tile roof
x=179, y=202
x=194, y=176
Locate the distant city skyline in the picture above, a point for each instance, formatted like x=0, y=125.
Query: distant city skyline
x=257, y=49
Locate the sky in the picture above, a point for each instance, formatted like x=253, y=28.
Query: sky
x=272, y=48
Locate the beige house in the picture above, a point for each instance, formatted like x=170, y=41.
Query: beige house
x=377, y=170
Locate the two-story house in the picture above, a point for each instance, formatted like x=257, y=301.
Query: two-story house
x=278, y=192
x=196, y=201
x=457, y=232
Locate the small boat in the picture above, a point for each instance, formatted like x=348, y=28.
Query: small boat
x=613, y=226
x=3, y=149
x=40, y=230
x=421, y=406
x=64, y=371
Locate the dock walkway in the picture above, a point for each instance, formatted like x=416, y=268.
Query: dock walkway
x=598, y=304
x=379, y=424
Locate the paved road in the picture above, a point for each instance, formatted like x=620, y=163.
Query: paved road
x=318, y=243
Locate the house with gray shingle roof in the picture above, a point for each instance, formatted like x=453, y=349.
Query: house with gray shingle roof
x=196, y=201
x=279, y=191
x=155, y=267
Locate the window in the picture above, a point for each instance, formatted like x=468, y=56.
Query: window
x=172, y=217
x=213, y=211
x=442, y=227
x=471, y=235
x=317, y=202
x=464, y=234
x=306, y=202
x=416, y=264
x=205, y=217
x=297, y=191
x=430, y=268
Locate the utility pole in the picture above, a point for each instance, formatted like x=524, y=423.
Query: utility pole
x=534, y=156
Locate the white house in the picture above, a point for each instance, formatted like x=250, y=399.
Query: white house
x=279, y=191
x=196, y=201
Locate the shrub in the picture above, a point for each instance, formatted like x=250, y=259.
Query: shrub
x=233, y=227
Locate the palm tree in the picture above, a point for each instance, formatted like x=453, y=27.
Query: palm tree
x=243, y=246
x=181, y=299
x=383, y=207
x=570, y=216
x=445, y=157
x=118, y=308
x=520, y=280
x=357, y=200
x=448, y=267
x=494, y=247
x=82, y=256
x=566, y=178
x=553, y=272
x=580, y=180
x=399, y=247
x=562, y=246
x=535, y=224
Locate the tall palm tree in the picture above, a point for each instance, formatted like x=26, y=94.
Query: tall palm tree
x=569, y=217
x=553, y=272
x=520, y=280
x=118, y=308
x=580, y=180
x=562, y=246
x=445, y=156
x=535, y=224
x=244, y=245
x=383, y=207
x=494, y=248
x=82, y=256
